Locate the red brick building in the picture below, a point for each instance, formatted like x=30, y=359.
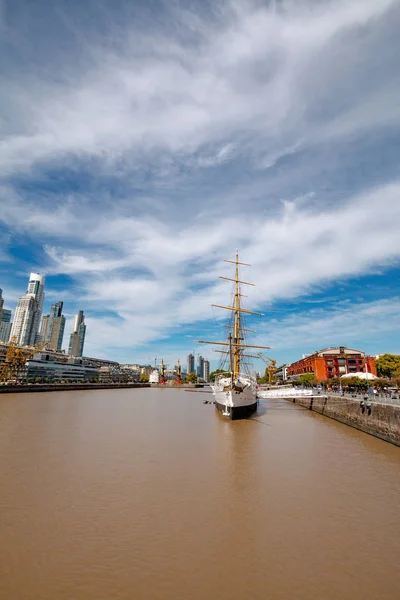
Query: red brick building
x=332, y=362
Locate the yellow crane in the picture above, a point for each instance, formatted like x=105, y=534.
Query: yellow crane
x=178, y=379
x=14, y=363
x=271, y=367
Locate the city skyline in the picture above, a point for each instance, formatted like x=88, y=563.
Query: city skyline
x=52, y=330
x=32, y=327
x=128, y=192
x=213, y=363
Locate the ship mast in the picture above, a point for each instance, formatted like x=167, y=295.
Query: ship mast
x=236, y=323
x=235, y=346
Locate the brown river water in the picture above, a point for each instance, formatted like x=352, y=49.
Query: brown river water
x=150, y=494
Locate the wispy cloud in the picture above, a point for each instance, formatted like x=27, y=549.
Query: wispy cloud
x=139, y=158
x=156, y=278
x=340, y=325
x=248, y=72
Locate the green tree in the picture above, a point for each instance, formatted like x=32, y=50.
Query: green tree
x=354, y=382
x=388, y=365
x=308, y=379
x=192, y=378
x=214, y=373
x=144, y=378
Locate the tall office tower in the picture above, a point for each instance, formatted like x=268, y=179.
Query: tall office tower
x=47, y=321
x=1, y=303
x=77, y=338
x=5, y=325
x=206, y=371
x=25, y=327
x=56, y=326
x=200, y=366
x=44, y=328
x=190, y=364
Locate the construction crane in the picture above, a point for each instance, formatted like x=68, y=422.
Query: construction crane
x=178, y=380
x=162, y=379
x=271, y=367
x=14, y=363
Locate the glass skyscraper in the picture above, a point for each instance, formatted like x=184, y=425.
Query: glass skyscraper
x=190, y=364
x=5, y=320
x=200, y=367
x=25, y=328
x=78, y=334
x=53, y=324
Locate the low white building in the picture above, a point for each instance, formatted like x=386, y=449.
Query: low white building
x=281, y=372
x=58, y=370
x=154, y=376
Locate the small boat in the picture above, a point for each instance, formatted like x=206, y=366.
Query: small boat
x=235, y=390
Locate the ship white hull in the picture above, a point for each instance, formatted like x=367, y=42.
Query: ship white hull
x=235, y=401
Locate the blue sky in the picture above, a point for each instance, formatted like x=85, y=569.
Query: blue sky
x=143, y=142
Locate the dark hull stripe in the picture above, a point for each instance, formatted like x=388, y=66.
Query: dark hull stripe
x=237, y=412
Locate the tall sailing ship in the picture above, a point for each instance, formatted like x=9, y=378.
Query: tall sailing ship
x=235, y=390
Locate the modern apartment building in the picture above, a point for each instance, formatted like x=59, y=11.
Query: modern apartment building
x=44, y=328
x=5, y=320
x=57, y=333
x=190, y=364
x=25, y=327
x=53, y=325
x=200, y=367
x=206, y=371
x=5, y=325
x=78, y=334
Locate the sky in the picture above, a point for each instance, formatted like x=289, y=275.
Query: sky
x=143, y=142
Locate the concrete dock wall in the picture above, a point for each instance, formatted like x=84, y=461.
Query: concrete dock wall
x=380, y=420
x=62, y=387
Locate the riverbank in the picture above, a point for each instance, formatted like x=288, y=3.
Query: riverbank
x=62, y=387
x=379, y=420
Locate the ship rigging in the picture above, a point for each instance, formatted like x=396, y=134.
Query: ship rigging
x=235, y=396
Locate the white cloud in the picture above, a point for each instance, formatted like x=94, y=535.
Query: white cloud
x=250, y=74
x=190, y=125
x=74, y=263
x=338, y=325
x=173, y=272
